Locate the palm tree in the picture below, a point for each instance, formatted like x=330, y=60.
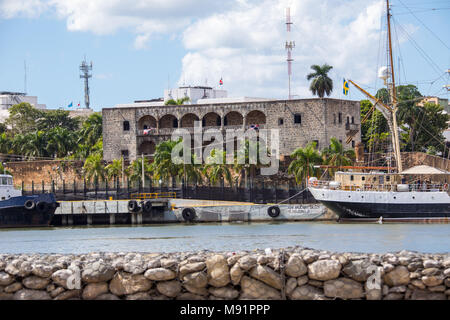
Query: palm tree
x=34, y=144
x=114, y=169
x=304, y=160
x=60, y=142
x=93, y=167
x=91, y=130
x=135, y=169
x=216, y=169
x=177, y=102
x=335, y=155
x=242, y=159
x=163, y=166
x=321, y=83
x=5, y=143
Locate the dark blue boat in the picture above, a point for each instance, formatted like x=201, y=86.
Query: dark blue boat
x=24, y=211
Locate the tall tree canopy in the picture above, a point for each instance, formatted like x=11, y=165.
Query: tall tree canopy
x=321, y=84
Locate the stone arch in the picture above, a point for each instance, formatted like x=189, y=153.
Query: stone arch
x=168, y=121
x=233, y=118
x=211, y=119
x=187, y=121
x=255, y=117
x=147, y=148
x=147, y=122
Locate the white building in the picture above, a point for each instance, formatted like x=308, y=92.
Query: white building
x=8, y=99
x=194, y=93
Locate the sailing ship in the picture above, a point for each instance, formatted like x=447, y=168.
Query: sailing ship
x=382, y=194
x=17, y=210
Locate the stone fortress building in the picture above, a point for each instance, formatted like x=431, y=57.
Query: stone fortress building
x=130, y=130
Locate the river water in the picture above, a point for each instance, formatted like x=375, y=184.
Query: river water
x=338, y=237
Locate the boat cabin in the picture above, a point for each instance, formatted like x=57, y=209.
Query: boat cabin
x=6, y=187
x=367, y=180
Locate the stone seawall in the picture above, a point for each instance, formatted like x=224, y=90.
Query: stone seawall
x=292, y=273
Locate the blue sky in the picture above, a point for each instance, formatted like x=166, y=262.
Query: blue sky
x=138, y=49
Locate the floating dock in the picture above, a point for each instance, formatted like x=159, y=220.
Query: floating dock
x=171, y=211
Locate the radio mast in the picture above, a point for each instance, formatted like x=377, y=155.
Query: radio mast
x=85, y=68
x=289, y=46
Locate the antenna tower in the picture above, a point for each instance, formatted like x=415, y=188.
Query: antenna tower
x=85, y=68
x=289, y=46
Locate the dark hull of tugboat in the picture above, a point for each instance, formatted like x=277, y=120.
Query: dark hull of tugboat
x=28, y=211
x=370, y=212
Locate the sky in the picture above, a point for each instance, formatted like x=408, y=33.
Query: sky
x=141, y=47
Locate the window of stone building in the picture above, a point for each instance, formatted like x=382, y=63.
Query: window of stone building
x=348, y=119
x=317, y=143
x=280, y=121
x=145, y=126
x=203, y=122
x=340, y=141
x=126, y=126
x=353, y=119
x=340, y=117
x=297, y=118
x=334, y=118
x=353, y=143
x=124, y=153
x=218, y=121
x=352, y=178
x=175, y=123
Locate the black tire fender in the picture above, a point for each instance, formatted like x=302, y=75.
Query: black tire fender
x=273, y=211
x=42, y=206
x=133, y=206
x=29, y=205
x=147, y=206
x=188, y=214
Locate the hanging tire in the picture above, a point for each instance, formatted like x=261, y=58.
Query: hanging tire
x=41, y=207
x=273, y=211
x=147, y=207
x=29, y=205
x=133, y=206
x=188, y=214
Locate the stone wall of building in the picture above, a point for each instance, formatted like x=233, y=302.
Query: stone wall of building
x=299, y=121
x=293, y=273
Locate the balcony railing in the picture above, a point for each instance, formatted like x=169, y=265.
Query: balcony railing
x=423, y=187
x=351, y=126
x=169, y=131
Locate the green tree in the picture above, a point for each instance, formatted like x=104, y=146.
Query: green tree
x=321, y=84
x=135, y=170
x=303, y=162
x=247, y=160
x=60, y=142
x=34, y=144
x=23, y=118
x=93, y=167
x=375, y=129
x=91, y=130
x=114, y=169
x=335, y=155
x=216, y=169
x=177, y=102
x=163, y=166
x=58, y=118
x=5, y=143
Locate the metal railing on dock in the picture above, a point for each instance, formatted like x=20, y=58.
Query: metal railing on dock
x=154, y=195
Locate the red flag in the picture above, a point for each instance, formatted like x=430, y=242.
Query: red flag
x=221, y=82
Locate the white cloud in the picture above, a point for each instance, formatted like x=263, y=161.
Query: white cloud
x=245, y=46
x=21, y=8
x=241, y=41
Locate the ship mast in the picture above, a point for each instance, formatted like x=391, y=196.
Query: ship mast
x=396, y=144
x=389, y=112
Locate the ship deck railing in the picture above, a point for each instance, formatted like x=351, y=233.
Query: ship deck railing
x=425, y=187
